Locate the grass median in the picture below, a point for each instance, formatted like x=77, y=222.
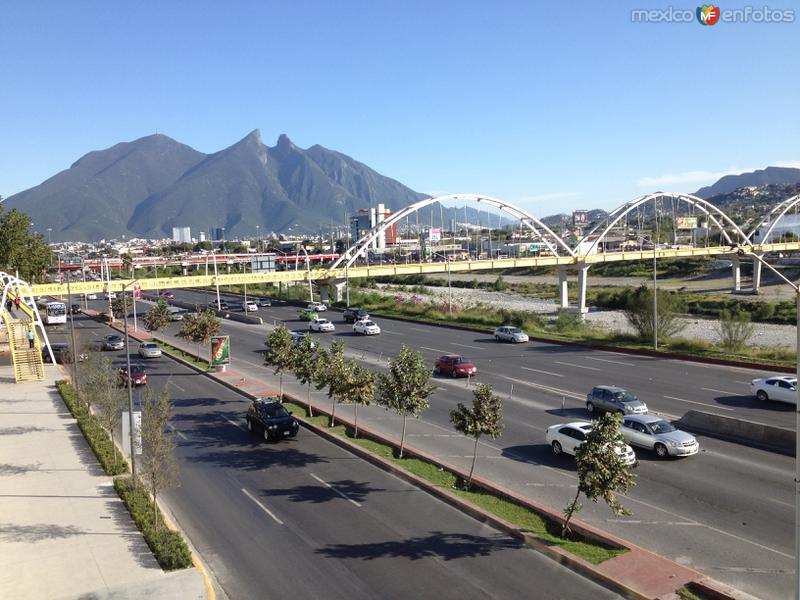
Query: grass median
x=521, y=516
x=178, y=353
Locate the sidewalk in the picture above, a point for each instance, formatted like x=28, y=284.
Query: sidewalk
x=64, y=532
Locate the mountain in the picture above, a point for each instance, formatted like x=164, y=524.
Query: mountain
x=761, y=177
x=146, y=187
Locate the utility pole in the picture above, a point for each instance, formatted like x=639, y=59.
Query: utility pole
x=130, y=383
x=655, y=301
x=74, y=346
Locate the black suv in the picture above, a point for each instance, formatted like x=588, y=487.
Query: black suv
x=352, y=314
x=268, y=416
x=62, y=354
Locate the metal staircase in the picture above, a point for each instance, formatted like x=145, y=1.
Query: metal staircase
x=27, y=361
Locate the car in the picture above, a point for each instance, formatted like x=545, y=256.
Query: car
x=138, y=375
x=176, y=314
x=113, y=342
x=167, y=294
x=654, y=433
x=317, y=306
x=91, y=296
x=297, y=336
x=455, y=365
x=610, y=398
x=249, y=306
x=323, y=325
x=75, y=309
x=565, y=438
x=781, y=388
x=271, y=419
x=366, y=327
x=352, y=314
x=111, y=296
x=507, y=333
x=223, y=305
x=264, y=302
x=149, y=350
x=62, y=353
x=308, y=315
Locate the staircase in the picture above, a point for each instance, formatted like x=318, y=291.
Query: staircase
x=28, y=364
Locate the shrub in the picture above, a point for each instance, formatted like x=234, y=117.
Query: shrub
x=499, y=284
x=735, y=329
x=569, y=322
x=691, y=345
x=639, y=312
x=168, y=547
x=764, y=311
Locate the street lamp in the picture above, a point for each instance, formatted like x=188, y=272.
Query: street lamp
x=130, y=377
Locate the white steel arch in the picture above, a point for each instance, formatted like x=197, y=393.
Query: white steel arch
x=782, y=208
x=22, y=290
x=713, y=213
x=360, y=247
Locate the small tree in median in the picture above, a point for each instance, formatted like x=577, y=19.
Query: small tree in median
x=335, y=373
x=735, y=329
x=100, y=381
x=158, y=465
x=639, y=312
x=157, y=318
x=199, y=327
x=484, y=418
x=405, y=389
x=601, y=473
x=305, y=359
x=109, y=398
x=362, y=390
x=280, y=353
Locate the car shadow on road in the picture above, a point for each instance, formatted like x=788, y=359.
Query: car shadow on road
x=539, y=454
x=317, y=494
x=750, y=402
x=437, y=545
x=575, y=414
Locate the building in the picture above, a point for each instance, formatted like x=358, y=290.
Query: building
x=217, y=233
x=182, y=234
x=367, y=218
x=201, y=236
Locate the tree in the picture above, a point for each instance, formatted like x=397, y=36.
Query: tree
x=157, y=317
x=99, y=381
x=484, y=418
x=601, y=472
x=735, y=329
x=20, y=250
x=336, y=374
x=639, y=312
x=157, y=465
x=362, y=390
x=199, y=327
x=120, y=304
x=109, y=398
x=305, y=364
x=405, y=388
x=280, y=353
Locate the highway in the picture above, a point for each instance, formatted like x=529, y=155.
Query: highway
x=727, y=512
x=305, y=518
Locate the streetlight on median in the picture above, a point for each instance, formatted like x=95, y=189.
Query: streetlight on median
x=130, y=377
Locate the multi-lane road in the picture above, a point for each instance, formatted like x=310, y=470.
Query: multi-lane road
x=304, y=518
x=727, y=512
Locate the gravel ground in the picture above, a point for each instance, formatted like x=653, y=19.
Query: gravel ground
x=766, y=334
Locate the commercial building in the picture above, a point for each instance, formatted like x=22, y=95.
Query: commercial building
x=216, y=233
x=367, y=218
x=182, y=234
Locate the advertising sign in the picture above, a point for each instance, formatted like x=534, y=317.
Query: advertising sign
x=137, y=291
x=435, y=235
x=220, y=350
x=687, y=223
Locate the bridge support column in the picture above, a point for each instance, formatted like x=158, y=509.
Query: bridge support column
x=331, y=290
x=563, y=294
x=583, y=276
x=756, y=276
x=185, y=271
x=737, y=274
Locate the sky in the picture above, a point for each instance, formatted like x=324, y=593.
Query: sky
x=551, y=106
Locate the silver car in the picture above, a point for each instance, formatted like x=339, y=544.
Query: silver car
x=507, y=333
x=649, y=431
x=149, y=350
x=610, y=398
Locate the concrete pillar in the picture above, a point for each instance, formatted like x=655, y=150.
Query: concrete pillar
x=583, y=276
x=756, y=276
x=185, y=270
x=332, y=290
x=563, y=295
x=737, y=274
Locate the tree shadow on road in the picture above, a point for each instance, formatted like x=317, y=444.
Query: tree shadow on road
x=317, y=494
x=539, y=454
x=443, y=546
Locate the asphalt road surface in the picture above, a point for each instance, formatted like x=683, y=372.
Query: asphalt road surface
x=303, y=518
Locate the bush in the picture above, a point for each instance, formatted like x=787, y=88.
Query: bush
x=639, y=312
x=97, y=437
x=735, y=329
x=168, y=547
x=692, y=346
x=499, y=284
x=569, y=322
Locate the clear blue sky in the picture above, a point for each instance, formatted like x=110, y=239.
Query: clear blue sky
x=552, y=105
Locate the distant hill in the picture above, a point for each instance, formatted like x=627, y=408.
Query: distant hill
x=761, y=177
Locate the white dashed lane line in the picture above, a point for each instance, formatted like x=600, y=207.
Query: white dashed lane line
x=540, y=371
x=339, y=492
x=721, y=391
x=700, y=403
x=262, y=507
x=558, y=362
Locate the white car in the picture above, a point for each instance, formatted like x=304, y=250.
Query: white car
x=654, y=433
x=298, y=336
x=323, y=325
x=111, y=296
x=565, y=438
x=317, y=306
x=366, y=328
x=176, y=314
x=507, y=333
x=782, y=388
x=249, y=306
x=91, y=296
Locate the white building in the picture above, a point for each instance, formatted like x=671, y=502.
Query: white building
x=182, y=234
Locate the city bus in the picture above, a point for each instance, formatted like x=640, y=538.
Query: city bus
x=52, y=313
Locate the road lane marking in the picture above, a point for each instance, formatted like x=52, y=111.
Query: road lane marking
x=177, y=386
x=540, y=371
x=434, y=350
x=721, y=391
x=466, y=346
x=546, y=388
x=330, y=487
x=558, y=362
x=178, y=433
x=616, y=362
x=262, y=507
x=234, y=423
x=700, y=403
x=392, y=332
x=419, y=329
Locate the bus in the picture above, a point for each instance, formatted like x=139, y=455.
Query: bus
x=52, y=313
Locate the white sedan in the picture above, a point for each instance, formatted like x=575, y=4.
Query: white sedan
x=366, y=327
x=317, y=306
x=782, y=388
x=565, y=438
x=323, y=325
x=654, y=433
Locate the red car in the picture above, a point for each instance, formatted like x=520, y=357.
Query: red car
x=455, y=365
x=138, y=376
x=168, y=295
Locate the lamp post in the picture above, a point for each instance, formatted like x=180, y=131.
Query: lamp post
x=655, y=301
x=72, y=334
x=130, y=379
x=216, y=279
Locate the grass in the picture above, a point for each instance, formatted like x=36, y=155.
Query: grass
x=687, y=593
x=178, y=353
x=521, y=516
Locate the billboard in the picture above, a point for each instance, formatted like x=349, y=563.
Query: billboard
x=220, y=350
x=686, y=223
x=435, y=235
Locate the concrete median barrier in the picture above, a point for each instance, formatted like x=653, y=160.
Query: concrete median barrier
x=741, y=430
